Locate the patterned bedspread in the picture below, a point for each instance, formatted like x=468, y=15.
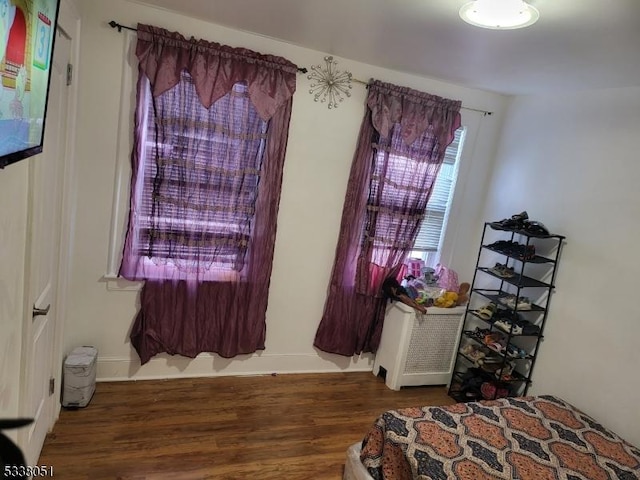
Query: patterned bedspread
x=526, y=438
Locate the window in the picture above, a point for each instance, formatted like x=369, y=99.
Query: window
x=390, y=192
x=197, y=183
x=429, y=240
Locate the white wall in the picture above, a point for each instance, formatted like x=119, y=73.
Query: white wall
x=13, y=237
x=571, y=161
x=320, y=149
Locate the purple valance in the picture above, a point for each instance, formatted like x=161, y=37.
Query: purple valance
x=414, y=110
x=214, y=68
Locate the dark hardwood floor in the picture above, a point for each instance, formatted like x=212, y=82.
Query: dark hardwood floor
x=262, y=427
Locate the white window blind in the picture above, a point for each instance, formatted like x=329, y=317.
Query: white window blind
x=435, y=221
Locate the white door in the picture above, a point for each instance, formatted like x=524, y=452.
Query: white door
x=46, y=176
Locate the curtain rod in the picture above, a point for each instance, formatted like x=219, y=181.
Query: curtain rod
x=485, y=112
x=119, y=26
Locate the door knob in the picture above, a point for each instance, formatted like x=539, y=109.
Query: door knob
x=40, y=311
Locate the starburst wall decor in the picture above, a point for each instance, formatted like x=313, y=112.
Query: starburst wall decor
x=331, y=85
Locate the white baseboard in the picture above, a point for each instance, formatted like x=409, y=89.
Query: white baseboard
x=207, y=365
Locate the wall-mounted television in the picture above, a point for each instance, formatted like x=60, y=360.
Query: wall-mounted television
x=27, y=34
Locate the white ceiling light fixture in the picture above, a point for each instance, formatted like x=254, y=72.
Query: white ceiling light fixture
x=499, y=14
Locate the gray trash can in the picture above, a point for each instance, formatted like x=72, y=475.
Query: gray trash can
x=79, y=375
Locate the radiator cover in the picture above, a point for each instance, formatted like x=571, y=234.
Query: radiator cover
x=418, y=349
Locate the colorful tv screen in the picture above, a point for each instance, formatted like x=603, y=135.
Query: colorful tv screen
x=27, y=33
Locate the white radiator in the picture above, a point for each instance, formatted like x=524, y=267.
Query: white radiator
x=418, y=349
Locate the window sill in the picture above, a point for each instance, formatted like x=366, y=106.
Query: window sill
x=119, y=284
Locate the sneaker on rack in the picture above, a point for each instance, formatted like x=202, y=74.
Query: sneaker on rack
x=530, y=329
x=497, y=269
x=500, y=245
x=468, y=348
x=515, y=352
x=479, y=333
x=503, y=325
x=509, y=300
x=527, y=252
x=477, y=355
x=535, y=229
x=502, y=271
x=520, y=217
x=523, y=303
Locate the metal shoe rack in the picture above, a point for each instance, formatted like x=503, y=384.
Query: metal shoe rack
x=484, y=368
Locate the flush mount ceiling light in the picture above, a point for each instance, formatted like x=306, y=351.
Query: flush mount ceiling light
x=499, y=14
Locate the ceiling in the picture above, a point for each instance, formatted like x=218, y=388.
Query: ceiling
x=575, y=44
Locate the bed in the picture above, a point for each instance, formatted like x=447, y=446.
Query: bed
x=524, y=438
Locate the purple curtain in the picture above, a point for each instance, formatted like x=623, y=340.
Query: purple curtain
x=210, y=141
x=400, y=148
